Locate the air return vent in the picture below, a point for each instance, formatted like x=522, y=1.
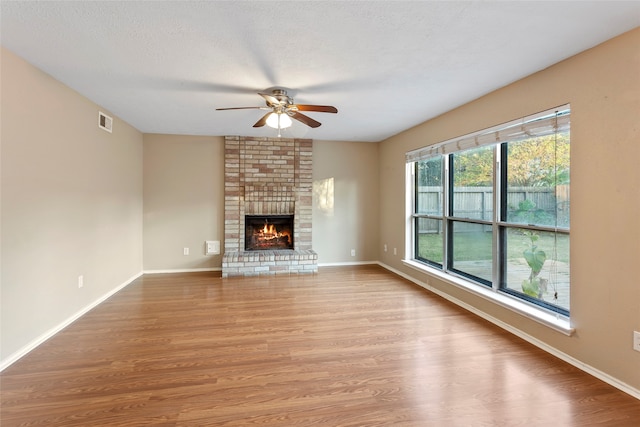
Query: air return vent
x=104, y=122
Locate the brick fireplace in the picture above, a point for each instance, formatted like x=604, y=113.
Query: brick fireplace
x=263, y=177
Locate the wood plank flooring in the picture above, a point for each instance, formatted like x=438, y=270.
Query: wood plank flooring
x=350, y=346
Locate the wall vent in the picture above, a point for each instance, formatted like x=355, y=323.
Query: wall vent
x=105, y=122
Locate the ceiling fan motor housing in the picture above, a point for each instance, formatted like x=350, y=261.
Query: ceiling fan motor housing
x=281, y=95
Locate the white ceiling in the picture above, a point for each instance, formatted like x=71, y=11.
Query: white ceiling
x=164, y=67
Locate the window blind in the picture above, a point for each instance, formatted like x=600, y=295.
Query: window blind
x=547, y=122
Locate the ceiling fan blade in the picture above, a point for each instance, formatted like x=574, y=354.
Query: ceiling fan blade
x=271, y=100
x=241, y=108
x=304, y=119
x=262, y=121
x=318, y=108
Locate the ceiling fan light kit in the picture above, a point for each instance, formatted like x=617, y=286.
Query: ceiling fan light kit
x=282, y=109
x=279, y=121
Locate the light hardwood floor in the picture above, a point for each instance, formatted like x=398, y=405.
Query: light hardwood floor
x=350, y=346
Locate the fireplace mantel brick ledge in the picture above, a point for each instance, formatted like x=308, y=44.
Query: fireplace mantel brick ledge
x=268, y=176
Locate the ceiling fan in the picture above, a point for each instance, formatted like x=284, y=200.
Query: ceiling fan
x=281, y=110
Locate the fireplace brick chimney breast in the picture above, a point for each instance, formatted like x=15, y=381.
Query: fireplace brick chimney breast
x=268, y=176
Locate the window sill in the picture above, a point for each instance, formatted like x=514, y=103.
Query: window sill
x=552, y=320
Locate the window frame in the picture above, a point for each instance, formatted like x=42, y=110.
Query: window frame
x=551, y=314
x=417, y=216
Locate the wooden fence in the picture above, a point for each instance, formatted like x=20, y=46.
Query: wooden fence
x=477, y=203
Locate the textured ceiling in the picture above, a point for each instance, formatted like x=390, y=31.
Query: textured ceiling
x=164, y=67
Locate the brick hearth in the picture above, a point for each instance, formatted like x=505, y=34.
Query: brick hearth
x=268, y=176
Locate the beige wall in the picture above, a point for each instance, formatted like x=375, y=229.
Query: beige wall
x=603, y=87
x=345, y=201
x=183, y=201
x=71, y=204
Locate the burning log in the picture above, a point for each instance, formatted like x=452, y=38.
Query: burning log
x=271, y=232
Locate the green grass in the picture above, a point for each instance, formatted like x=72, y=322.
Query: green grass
x=472, y=246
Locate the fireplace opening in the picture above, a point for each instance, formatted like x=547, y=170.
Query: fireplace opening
x=268, y=232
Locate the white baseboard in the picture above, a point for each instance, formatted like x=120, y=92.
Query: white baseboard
x=517, y=332
x=51, y=332
x=181, y=270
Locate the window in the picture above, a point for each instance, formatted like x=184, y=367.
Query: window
x=492, y=208
x=429, y=244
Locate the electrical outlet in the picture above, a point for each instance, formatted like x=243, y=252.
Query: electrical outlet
x=353, y=252
x=636, y=340
x=185, y=251
x=80, y=281
x=395, y=251
x=385, y=247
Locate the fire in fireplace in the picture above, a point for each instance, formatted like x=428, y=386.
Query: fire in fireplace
x=268, y=232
